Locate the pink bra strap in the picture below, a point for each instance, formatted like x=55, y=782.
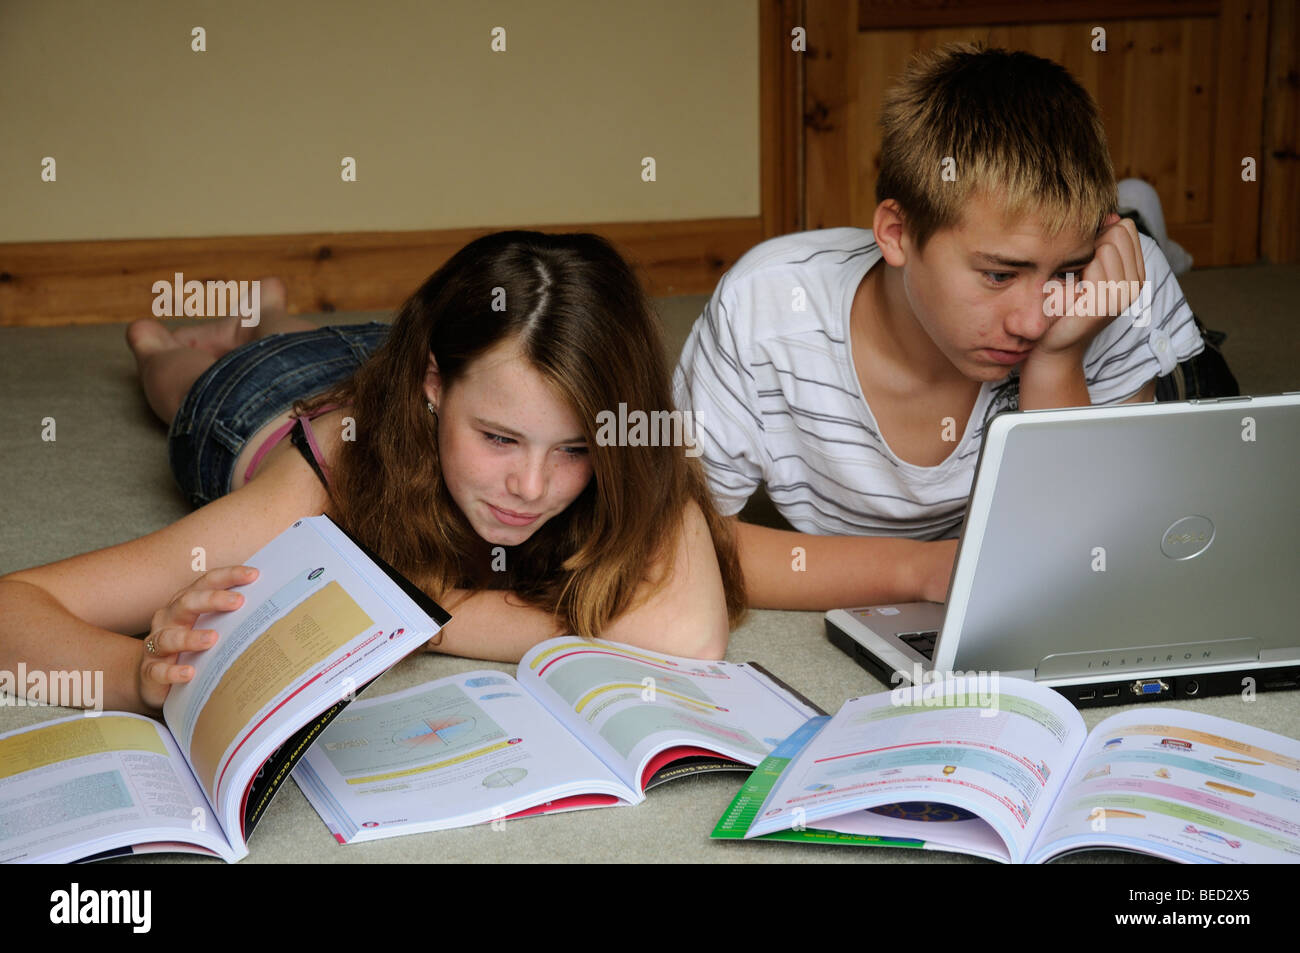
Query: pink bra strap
x=265, y=448
x=278, y=435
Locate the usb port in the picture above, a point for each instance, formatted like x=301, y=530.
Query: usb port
x=1110, y=693
x=1087, y=696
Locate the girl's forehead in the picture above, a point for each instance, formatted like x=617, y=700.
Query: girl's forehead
x=503, y=369
x=503, y=387
x=505, y=353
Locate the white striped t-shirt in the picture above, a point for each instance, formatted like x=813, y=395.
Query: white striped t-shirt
x=776, y=398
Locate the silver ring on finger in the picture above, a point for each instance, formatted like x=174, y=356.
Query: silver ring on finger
x=151, y=645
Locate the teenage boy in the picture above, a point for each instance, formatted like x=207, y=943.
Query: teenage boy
x=852, y=371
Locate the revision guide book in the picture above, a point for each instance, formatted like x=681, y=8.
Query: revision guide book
x=323, y=619
x=586, y=723
x=1004, y=769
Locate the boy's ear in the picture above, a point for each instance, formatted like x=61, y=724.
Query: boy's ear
x=887, y=230
x=433, y=383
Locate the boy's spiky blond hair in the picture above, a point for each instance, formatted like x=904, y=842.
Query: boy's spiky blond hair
x=1020, y=129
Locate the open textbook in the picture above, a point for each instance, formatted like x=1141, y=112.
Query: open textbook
x=585, y=724
x=323, y=619
x=1005, y=769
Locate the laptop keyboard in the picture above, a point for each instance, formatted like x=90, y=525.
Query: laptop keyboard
x=922, y=642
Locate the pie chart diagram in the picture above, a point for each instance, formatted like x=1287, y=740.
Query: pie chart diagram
x=435, y=731
x=505, y=778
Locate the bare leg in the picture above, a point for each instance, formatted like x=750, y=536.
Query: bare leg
x=167, y=369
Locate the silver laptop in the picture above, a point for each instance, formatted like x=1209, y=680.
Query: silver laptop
x=1117, y=554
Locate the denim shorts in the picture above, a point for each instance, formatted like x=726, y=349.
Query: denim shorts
x=248, y=388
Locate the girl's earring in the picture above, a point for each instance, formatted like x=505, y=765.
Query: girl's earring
x=433, y=410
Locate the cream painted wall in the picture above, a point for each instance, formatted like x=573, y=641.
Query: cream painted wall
x=151, y=139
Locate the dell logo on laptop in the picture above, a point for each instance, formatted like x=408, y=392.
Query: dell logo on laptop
x=1188, y=537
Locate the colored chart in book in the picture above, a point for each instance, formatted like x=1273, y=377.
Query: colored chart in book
x=1187, y=738
x=418, y=733
x=1136, y=765
x=505, y=778
x=578, y=647
x=591, y=680
x=1205, y=800
x=954, y=762
x=439, y=731
x=1114, y=806
x=990, y=704
x=627, y=695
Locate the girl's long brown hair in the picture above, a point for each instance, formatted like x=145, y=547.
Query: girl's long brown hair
x=580, y=317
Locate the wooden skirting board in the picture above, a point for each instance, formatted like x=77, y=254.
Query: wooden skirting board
x=86, y=282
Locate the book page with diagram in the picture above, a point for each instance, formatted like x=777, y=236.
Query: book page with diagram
x=628, y=704
x=462, y=750
x=1181, y=785
x=968, y=756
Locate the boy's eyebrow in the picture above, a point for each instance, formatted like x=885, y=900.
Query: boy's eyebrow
x=506, y=431
x=1005, y=262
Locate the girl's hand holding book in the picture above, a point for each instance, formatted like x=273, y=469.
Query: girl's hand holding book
x=172, y=630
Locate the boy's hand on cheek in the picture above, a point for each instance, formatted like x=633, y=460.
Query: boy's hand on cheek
x=1052, y=375
x=1108, y=285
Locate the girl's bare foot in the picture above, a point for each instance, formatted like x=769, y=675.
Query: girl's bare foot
x=218, y=336
x=147, y=337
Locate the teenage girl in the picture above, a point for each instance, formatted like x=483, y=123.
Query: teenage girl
x=459, y=444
